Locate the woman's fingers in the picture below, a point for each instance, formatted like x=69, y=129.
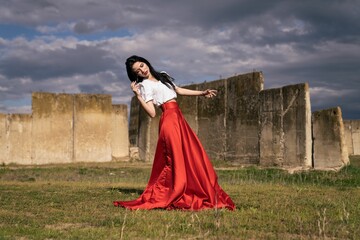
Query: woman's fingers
x=209, y=93
x=134, y=87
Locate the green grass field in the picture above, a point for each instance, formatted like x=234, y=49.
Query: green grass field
x=75, y=202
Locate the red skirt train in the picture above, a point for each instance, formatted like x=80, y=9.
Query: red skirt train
x=182, y=175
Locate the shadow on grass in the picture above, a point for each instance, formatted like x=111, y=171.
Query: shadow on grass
x=127, y=190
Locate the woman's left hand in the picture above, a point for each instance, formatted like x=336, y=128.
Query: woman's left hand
x=209, y=93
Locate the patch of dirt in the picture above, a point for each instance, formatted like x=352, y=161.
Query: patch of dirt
x=65, y=226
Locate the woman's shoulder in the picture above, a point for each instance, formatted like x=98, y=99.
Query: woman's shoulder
x=146, y=84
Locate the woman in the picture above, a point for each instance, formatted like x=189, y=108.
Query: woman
x=182, y=176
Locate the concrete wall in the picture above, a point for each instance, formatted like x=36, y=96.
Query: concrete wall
x=285, y=132
x=52, y=129
x=134, y=123
x=15, y=138
x=65, y=128
x=271, y=137
x=348, y=136
x=92, y=127
x=352, y=136
x=3, y=139
x=297, y=125
x=330, y=149
x=242, y=118
x=211, y=120
x=355, y=133
x=244, y=124
x=120, y=133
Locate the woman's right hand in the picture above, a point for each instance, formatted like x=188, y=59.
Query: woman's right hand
x=135, y=88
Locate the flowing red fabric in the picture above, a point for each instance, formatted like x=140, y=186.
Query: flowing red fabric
x=182, y=175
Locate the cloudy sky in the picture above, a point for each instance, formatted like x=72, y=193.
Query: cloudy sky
x=74, y=46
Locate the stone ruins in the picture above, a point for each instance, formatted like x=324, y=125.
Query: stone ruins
x=243, y=125
x=65, y=128
x=247, y=125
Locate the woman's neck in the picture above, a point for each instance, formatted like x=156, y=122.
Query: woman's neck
x=152, y=78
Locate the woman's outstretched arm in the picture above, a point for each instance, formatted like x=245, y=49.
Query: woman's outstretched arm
x=209, y=93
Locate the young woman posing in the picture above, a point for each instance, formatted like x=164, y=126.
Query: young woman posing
x=182, y=175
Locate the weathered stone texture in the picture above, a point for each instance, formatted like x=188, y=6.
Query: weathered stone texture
x=92, y=127
x=285, y=127
x=65, y=128
x=134, y=122
x=297, y=125
x=328, y=138
x=271, y=139
x=4, y=155
x=15, y=138
x=355, y=132
x=352, y=136
x=52, y=128
x=242, y=118
x=120, y=133
x=348, y=136
x=211, y=122
x=19, y=138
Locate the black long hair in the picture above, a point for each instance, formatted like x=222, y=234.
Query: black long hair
x=161, y=76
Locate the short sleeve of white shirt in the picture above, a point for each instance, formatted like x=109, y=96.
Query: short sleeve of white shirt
x=146, y=91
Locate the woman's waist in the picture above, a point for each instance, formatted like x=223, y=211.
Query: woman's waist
x=169, y=105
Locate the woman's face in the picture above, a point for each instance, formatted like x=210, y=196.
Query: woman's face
x=141, y=69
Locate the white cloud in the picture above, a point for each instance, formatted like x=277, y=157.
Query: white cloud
x=326, y=93
x=3, y=89
x=61, y=27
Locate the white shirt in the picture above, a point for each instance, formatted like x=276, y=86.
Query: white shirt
x=157, y=92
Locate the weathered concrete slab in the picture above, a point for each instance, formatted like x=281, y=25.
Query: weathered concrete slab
x=120, y=133
x=285, y=132
x=242, y=118
x=348, y=136
x=211, y=122
x=352, y=136
x=144, y=136
x=328, y=138
x=297, y=125
x=271, y=138
x=52, y=128
x=355, y=132
x=65, y=128
x=92, y=127
x=19, y=138
x=4, y=153
x=134, y=122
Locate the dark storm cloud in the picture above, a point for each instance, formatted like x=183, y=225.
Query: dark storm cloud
x=40, y=65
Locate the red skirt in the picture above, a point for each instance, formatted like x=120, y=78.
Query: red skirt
x=182, y=175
